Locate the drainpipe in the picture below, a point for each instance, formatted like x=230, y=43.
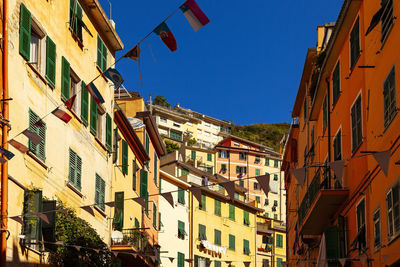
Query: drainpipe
x=191, y=229
x=329, y=128
x=4, y=167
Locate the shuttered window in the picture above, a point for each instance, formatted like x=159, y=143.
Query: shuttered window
x=202, y=232
x=193, y=155
x=93, y=116
x=181, y=230
x=336, y=84
x=147, y=143
x=143, y=188
x=108, y=132
x=203, y=202
x=134, y=170
x=209, y=156
x=75, y=169
x=65, y=79
x=154, y=216
x=217, y=207
x=217, y=264
x=246, y=247
x=232, y=242
x=24, y=32
x=324, y=115
x=84, y=104
x=75, y=18
x=184, y=171
x=279, y=241
x=257, y=172
x=50, y=62
x=38, y=150
x=266, y=161
x=337, y=146
x=124, y=157
x=356, y=124
x=246, y=220
x=389, y=98
x=355, y=43
x=101, y=54
x=231, y=212
x=118, y=221
x=332, y=242
x=100, y=189
x=32, y=228
x=217, y=237
x=155, y=176
x=181, y=195
x=181, y=259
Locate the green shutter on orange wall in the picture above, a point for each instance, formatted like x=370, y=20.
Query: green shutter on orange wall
x=65, y=79
x=24, y=32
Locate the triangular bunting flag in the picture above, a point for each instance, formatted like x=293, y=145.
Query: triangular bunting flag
x=70, y=102
x=42, y=216
x=17, y=145
x=17, y=219
x=171, y=259
x=168, y=197
x=94, y=92
x=166, y=36
x=189, y=260
x=115, y=254
x=196, y=191
x=300, y=175
x=78, y=248
x=39, y=123
x=337, y=167
x=96, y=250
x=59, y=243
x=8, y=154
x=33, y=137
x=62, y=115
x=134, y=53
x=342, y=261
x=115, y=77
x=140, y=201
x=110, y=204
x=134, y=254
x=65, y=212
x=385, y=258
x=230, y=188
x=194, y=15
x=264, y=183
x=363, y=259
x=153, y=258
x=88, y=209
x=383, y=160
x=246, y=263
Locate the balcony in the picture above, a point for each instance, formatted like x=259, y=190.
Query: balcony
x=319, y=204
x=132, y=238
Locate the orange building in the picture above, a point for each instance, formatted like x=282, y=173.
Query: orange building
x=345, y=112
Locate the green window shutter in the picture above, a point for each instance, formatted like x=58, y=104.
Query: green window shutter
x=134, y=170
x=104, y=56
x=39, y=149
x=279, y=262
x=332, y=242
x=159, y=186
x=154, y=216
x=246, y=219
x=257, y=172
x=159, y=221
x=202, y=232
x=217, y=264
x=99, y=197
x=143, y=183
x=93, y=116
x=78, y=172
x=355, y=43
x=99, y=53
x=237, y=169
x=124, y=157
x=108, y=131
x=25, y=32
x=181, y=230
x=181, y=259
x=181, y=195
x=258, y=199
x=155, y=178
x=50, y=61
x=65, y=79
x=279, y=241
x=79, y=16
x=336, y=84
x=42, y=145
x=147, y=143
x=32, y=224
x=231, y=212
x=203, y=202
x=193, y=155
x=84, y=103
x=217, y=237
x=231, y=242
x=209, y=156
x=246, y=248
x=118, y=221
x=75, y=169
x=137, y=223
x=217, y=207
x=184, y=171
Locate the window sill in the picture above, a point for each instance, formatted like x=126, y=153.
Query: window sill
x=76, y=191
x=76, y=39
x=101, y=73
x=35, y=158
x=102, y=213
x=75, y=115
x=393, y=238
x=100, y=143
x=39, y=75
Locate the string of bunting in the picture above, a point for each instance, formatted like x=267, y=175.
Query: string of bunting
x=196, y=18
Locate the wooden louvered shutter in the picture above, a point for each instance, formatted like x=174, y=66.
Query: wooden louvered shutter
x=32, y=224
x=78, y=172
x=143, y=183
x=24, y=32
x=97, y=191
x=79, y=16
x=72, y=166
x=109, y=132
x=93, y=116
x=65, y=79
x=124, y=157
x=84, y=103
x=32, y=119
x=102, y=194
x=42, y=145
x=50, y=62
x=155, y=169
x=104, y=58
x=154, y=216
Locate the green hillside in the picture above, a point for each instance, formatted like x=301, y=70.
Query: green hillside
x=264, y=133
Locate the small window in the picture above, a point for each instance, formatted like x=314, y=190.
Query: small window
x=275, y=203
x=181, y=230
x=209, y=157
x=181, y=195
x=231, y=212
x=246, y=219
x=276, y=163
x=223, y=154
x=377, y=229
x=36, y=45
x=163, y=119
x=355, y=43
x=389, y=98
x=266, y=161
x=305, y=108
x=217, y=237
x=257, y=172
x=217, y=207
x=75, y=170
x=393, y=211
x=361, y=231
x=242, y=156
x=256, y=186
x=257, y=159
x=258, y=200
x=336, y=84
x=175, y=135
x=275, y=177
x=177, y=125
x=275, y=216
x=356, y=124
x=75, y=18
x=279, y=240
x=325, y=115
x=223, y=168
x=266, y=202
x=337, y=146
x=134, y=176
x=100, y=191
x=246, y=247
x=203, y=203
x=202, y=232
x=232, y=242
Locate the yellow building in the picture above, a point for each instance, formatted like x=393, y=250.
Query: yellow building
x=51, y=60
x=201, y=158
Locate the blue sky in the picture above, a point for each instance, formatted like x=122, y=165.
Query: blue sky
x=244, y=66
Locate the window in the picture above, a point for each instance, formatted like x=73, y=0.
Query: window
x=124, y=157
x=257, y=172
x=389, y=98
x=377, y=229
x=160, y=224
x=217, y=264
x=209, y=156
x=236, y=196
x=337, y=146
x=275, y=177
x=108, y=132
x=24, y=32
x=85, y=107
x=32, y=224
x=246, y=248
x=355, y=43
x=181, y=259
x=184, y=171
x=258, y=199
x=275, y=203
x=246, y=219
x=100, y=191
x=75, y=18
x=257, y=159
x=143, y=188
x=181, y=230
x=265, y=262
x=118, y=220
x=203, y=202
x=231, y=212
x=154, y=216
x=242, y=156
x=386, y=18
x=266, y=202
x=223, y=168
x=147, y=142
x=163, y=119
x=38, y=150
x=275, y=216
x=241, y=170
x=175, y=136
x=279, y=262
x=276, y=163
x=266, y=161
x=356, y=124
x=361, y=235
x=223, y=154
x=36, y=43
x=231, y=242
x=393, y=211
x=325, y=115
x=217, y=237
x=101, y=54
x=256, y=186
x=217, y=207
x=181, y=195
x=155, y=177
x=193, y=155
x=134, y=177
x=279, y=240
x=176, y=125
x=202, y=232
x=75, y=170
x=305, y=107
x=336, y=84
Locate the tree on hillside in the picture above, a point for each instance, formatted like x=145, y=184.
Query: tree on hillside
x=161, y=101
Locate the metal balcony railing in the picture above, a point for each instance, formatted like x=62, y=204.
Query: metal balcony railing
x=132, y=237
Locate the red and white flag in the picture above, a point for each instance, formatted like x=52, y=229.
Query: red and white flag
x=194, y=15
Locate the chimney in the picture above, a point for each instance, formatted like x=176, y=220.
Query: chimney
x=112, y=23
